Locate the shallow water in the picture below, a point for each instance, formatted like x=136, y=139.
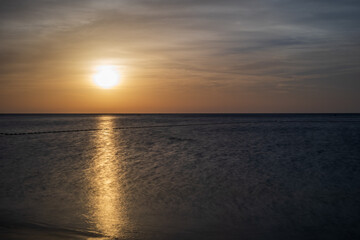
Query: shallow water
x=179, y=176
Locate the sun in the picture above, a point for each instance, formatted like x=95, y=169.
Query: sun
x=106, y=76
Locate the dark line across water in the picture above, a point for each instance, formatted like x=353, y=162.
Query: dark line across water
x=162, y=126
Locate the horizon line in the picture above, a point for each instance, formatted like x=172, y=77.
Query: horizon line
x=174, y=113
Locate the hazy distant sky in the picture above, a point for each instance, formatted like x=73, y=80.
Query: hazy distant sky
x=181, y=56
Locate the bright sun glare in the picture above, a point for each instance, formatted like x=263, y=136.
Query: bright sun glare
x=106, y=76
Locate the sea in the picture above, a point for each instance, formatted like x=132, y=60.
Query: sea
x=180, y=176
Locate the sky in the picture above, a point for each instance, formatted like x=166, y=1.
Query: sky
x=189, y=56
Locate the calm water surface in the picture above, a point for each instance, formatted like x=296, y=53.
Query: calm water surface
x=179, y=176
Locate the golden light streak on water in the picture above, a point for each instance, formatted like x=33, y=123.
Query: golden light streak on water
x=106, y=199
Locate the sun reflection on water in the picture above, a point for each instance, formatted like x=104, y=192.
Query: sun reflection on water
x=106, y=198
